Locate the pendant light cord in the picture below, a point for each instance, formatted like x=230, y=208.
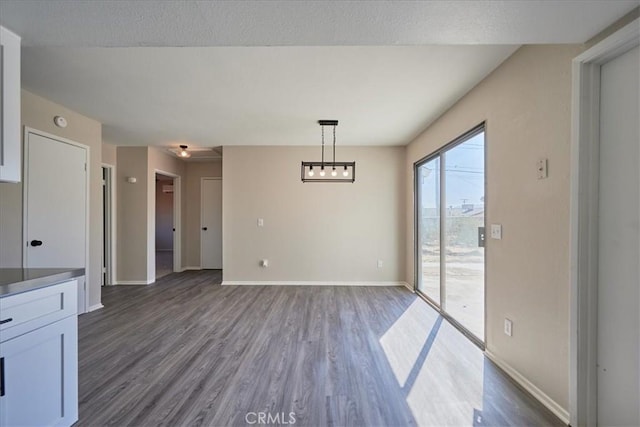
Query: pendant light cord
x=322, y=147
x=334, y=147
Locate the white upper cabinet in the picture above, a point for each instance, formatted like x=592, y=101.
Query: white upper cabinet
x=9, y=106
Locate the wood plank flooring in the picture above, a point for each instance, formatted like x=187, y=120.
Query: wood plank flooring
x=189, y=352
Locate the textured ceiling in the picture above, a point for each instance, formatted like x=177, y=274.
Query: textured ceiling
x=210, y=73
x=107, y=23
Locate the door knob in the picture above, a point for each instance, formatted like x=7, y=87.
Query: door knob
x=204, y=228
x=36, y=243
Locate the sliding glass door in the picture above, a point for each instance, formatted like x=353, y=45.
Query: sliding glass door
x=429, y=229
x=450, y=206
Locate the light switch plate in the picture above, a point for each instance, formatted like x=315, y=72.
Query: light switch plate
x=496, y=231
x=508, y=327
x=260, y=222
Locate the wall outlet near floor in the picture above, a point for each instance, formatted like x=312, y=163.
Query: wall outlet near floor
x=508, y=327
x=264, y=263
x=379, y=263
x=496, y=231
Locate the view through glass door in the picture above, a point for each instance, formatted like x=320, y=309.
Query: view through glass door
x=450, y=215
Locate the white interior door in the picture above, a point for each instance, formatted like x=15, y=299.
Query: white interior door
x=55, y=206
x=619, y=243
x=211, y=224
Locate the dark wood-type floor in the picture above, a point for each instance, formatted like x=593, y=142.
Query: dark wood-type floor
x=187, y=351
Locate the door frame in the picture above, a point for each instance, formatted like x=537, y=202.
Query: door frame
x=584, y=197
x=177, y=221
x=438, y=306
x=202, y=179
x=112, y=225
x=25, y=188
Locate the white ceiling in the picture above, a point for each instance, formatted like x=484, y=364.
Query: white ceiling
x=307, y=60
x=108, y=23
x=258, y=95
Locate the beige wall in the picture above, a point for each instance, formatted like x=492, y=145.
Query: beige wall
x=137, y=209
x=625, y=20
x=10, y=225
x=38, y=113
x=526, y=103
x=131, y=214
x=143, y=163
x=313, y=232
x=194, y=172
x=109, y=154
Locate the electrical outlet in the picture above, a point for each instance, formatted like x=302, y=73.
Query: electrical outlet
x=379, y=263
x=264, y=263
x=260, y=222
x=508, y=327
x=496, y=231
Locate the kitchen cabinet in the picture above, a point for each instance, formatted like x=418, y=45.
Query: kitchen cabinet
x=10, y=135
x=39, y=356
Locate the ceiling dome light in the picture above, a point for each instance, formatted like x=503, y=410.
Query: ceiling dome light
x=183, y=152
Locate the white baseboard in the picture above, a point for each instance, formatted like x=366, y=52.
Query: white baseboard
x=540, y=395
x=133, y=282
x=190, y=268
x=409, y=286
x=307, y=283
x=95, y=307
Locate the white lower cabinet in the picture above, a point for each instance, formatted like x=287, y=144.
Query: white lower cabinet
x=39, y=369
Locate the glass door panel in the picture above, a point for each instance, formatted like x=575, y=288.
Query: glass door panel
x=428, y=185
x=464, y=185
x=450, y=235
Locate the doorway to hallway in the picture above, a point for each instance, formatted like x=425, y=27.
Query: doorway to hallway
x=164, y=225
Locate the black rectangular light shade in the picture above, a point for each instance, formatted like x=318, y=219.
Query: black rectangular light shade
x=345, y=171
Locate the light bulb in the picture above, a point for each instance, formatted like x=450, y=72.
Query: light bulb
x=322, y=172
x=345, y=172
x=311, y=172
x=183, y=152
x=334, y=172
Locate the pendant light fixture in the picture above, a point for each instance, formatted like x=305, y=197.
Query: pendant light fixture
x=330, y=171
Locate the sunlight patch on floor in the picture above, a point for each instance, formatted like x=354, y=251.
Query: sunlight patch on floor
x=452, y=396
x=440, y=370
x=404, y=340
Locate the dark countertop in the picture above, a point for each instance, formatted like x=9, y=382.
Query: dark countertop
x=18, y=280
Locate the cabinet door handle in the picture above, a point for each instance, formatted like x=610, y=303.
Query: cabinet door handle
x=2, y=322
x=204, y=228
x=36, y=243
x=1, y=376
